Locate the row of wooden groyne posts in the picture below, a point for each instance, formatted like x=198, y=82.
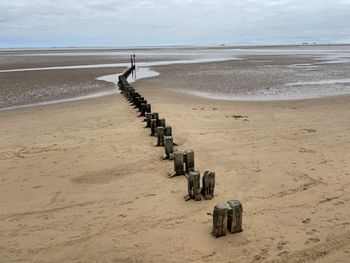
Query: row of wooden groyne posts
x=226, y=215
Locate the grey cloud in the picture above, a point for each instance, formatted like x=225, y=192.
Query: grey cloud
x=145, y=22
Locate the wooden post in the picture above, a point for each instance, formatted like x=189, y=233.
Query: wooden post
x=143, y=101
x=133, y=95
x=143, y=109
x=135, y=99
x=149, y=109
x=153, y=127
x=193, y=186
x=138, y=102
x=155, y=115
x=178, y=164
x=208, y=183
x=168, y=147
x=148, y=120
x=168, y=131
x=161, y=122
x=189, y=161
x=234, y=218
x=160, y=136
x=220, y=219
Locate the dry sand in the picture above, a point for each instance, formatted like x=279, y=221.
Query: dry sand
x=82, y=181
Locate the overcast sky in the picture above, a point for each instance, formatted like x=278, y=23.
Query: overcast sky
x=28, y=23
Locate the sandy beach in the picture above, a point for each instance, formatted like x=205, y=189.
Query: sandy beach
x=82, y=182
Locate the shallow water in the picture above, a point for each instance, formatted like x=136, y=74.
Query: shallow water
x=282, y=93
x=122, y=65
x=264, y=73
x=141, y=73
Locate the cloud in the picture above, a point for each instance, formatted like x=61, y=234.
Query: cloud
x=145, y=22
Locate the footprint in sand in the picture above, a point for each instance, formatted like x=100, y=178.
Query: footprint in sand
x=309, y=130
x=148, y=195
x=281, y=244
x=312, y=240
x=122, y=215
x=306, y=221
x=304, y=150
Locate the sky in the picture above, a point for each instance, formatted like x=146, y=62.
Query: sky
x=115, y=23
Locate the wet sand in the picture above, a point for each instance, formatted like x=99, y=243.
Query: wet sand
x=259, y=78
x=21, y=88
x=250, y=73
x=82, y=181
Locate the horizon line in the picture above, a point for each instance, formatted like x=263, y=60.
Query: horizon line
x=222, y=45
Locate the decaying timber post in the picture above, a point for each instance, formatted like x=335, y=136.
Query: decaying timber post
x=193, y=186
x=139, y=106
x=168, y=131
x=208, y=183
x=189, y=160
x=139, y=100
x=153, y=127
x=148, y=120
x=168, y=147
x=161, y=123
x=220, y=214
x=149, y=108
x=160, y=136
x=155, y=115
x=178, y=164
x=143, y=109
x=234, y=218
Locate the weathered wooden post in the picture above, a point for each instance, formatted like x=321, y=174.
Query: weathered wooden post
x=148, y=120
x=155, y=115
x=160, y=136
x=138, y=102
x=178, y=164
x=153, y=127
x=168, y=147
x=143, y=101
x=234, y=218
x=132, y=95
x=161, y=123
x=208, y=182
x=149, y=109
x=143, y=110
x=168, y=131
x=220, y=219
x=135, y=99
x=189, y=161
x=193, y=186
